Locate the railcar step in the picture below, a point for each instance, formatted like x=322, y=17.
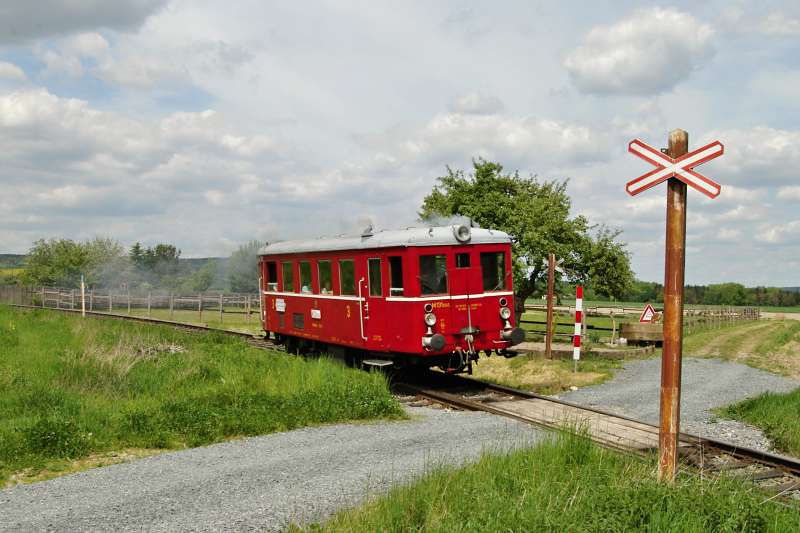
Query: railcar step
x=380, y=363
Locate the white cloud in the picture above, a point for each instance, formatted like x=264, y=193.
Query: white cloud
x=478, y=104
x=31, y=19
x=10, y=71
x=649, y=52
x=520, y=143
x=775, y=23
x=759, y=156
x=779, y=233
x=789, y=193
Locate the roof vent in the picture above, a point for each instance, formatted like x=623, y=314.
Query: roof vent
x=367, y=231
x=462, y=233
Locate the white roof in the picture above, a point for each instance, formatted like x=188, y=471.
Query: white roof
x=431, y=236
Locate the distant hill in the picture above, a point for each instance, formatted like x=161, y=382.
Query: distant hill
x=12, y=260
x=790, y=289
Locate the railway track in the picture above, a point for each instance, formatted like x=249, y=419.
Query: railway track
x=776, y=474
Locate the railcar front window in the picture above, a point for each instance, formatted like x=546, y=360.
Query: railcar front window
x=325, y=284
x=288, y=276
x=347, y=276
x=396, y=276
x=305, y=276
x=433, y=274
x=374, y=277
x=493, y=268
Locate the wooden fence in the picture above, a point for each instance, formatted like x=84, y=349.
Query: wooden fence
x=230, y=307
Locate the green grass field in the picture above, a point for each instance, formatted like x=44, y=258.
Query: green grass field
x=566, y=484
x=72, y=388
x=778, y=415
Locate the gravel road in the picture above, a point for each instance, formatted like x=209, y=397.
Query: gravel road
x=705, y=385
x=260, y=483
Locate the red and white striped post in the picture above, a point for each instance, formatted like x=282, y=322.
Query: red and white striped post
x=576, y=337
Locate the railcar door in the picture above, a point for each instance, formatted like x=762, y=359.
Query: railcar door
x=463, y=287
x=375, y=305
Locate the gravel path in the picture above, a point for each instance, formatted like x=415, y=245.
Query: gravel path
x=260, y=483
x=705, y=385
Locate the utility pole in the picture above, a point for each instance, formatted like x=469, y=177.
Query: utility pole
x=675, y=263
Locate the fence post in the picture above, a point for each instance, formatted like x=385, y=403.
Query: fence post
x=91, y=300
x=129, y=300
x=221, y=301
x=72, y=298
x=200, y=306
x=171, y=304
x=110, y=301
x=148, y=304
x=43, y=306
x=247, y=307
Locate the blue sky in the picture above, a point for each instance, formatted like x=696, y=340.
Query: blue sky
x=208, y=124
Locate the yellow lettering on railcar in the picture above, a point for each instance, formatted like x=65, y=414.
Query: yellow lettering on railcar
x=473, y=306
x=442, y=324
x=377, y=338
x=347, y=309
x=440, y=305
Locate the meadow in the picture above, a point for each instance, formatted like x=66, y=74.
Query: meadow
x=565, y=484
x=74, y=392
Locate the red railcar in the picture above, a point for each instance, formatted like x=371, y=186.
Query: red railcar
x=435, y=296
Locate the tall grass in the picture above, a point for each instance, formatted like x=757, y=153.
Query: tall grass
x=777, y=414
x=566, y=484
x=70, y=387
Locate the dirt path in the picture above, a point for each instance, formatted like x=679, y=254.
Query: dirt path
x=714, y=342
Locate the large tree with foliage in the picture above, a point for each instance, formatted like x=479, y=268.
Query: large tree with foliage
x=61, y=262
x=536, y=214
x=243, y=268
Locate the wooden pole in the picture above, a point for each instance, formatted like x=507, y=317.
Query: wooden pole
x=110, y=301
x=221, y=302
x=148, y=304
x=200, y=306
x=129, y=301
x=83, y=297
x=43, y=293
x=171, y=304
x=551, y=274
x=675, y=262
x=91, y=300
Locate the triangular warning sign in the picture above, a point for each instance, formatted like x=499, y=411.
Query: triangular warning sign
x=648, y=314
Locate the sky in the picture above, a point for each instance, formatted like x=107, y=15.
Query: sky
x=208, y=124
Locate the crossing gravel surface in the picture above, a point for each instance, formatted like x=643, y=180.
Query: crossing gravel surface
x=705, y=384
x=261, y=483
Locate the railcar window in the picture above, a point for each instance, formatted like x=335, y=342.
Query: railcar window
x=288, y=276
x=374, y=277
x=272, y=276
x=305, y=276
x=493, y=267
x=325, y=282
x=396, y=276
x=433, y=274
x=462, y=260
x=347, y=276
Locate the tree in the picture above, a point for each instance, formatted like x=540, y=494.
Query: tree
x=537, y=217
x=61, y=262
x=201, y=279
x=243, y=268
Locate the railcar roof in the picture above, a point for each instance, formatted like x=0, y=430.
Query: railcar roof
x=423, y=236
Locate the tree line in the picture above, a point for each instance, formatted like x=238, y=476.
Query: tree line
x=714, y=294
x=105, y=263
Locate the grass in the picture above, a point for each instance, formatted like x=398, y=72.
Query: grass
x=80, y=389
x=777, y=414
x=535, y=373
x=565, y=484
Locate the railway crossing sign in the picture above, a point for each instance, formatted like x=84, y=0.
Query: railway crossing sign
x=648, y=314
x=675, y=165
x=679, y=167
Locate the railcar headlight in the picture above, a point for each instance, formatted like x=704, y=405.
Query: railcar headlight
x=462, y=233
x=430, y=319
x=505, y=313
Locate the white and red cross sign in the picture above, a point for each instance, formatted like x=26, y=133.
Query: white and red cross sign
x=681, y=168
